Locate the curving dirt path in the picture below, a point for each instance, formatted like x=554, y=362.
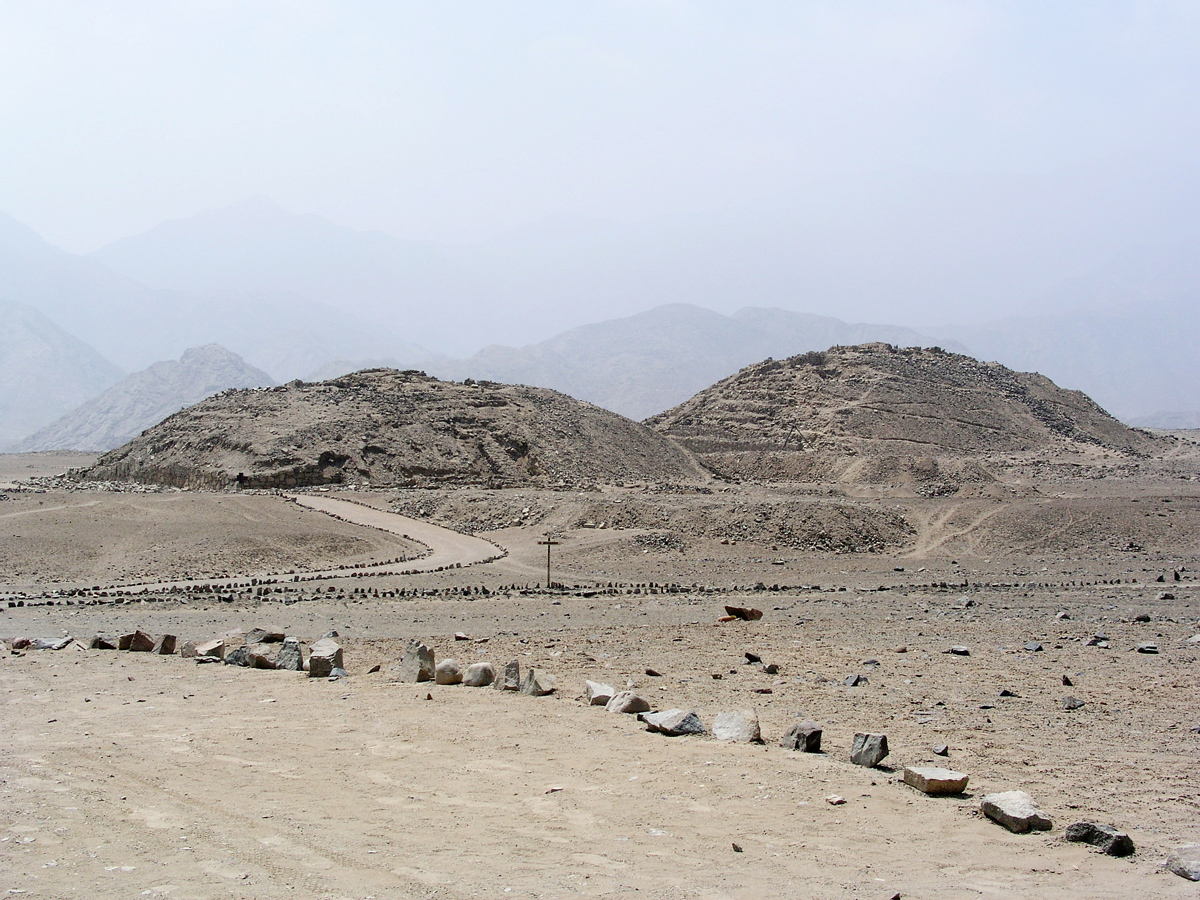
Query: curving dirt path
x=446, y=548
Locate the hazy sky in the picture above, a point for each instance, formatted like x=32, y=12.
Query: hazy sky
x=460, y=120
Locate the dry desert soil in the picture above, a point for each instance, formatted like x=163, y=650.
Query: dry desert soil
x=130, y=774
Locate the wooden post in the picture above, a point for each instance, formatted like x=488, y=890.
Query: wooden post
x=549, y=542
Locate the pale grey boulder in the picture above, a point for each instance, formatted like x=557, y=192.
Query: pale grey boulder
x=448, y=671
x=1016, y=811
x=740, y=726
x=479, y=674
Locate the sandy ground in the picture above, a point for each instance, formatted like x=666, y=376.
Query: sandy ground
x=132, y=775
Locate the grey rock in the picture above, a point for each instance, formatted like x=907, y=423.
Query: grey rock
x=740, y=726
x=188, y=650
x=1185, y=862
x=511, y=679
x=165, y=645
x=50, y=643
x=1034, y=647
x=260, y=656
x=211, y=648
x=1105, y=838
x=102, y=642
x=959, y=650
x=138, y=642
x=804, y=736
x=324, y=656
x=855, y=680
x=1147, y=647
x=598, y=694
x=290, y=657
x=448, y=671
x=673, y=722
x=537, y=683
x=627, y=702
x=1016, y=811
x=417, y=664
x=941, y=750
x=1070, y=703
x=868, y=749
x=262, y=636
x=337, y=673
x=239, y=656
x=479, y=674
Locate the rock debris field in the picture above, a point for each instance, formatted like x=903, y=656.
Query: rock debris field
x=1028, y=659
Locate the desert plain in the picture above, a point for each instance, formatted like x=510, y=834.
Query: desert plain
x=131, y=774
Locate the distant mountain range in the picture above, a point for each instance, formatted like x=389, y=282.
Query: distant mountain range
x=1089, y=277
x=643, y=364
x=145, y=398
x=44, y=372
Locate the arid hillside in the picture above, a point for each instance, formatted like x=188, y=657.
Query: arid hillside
x=874, y=413
x=385, y=427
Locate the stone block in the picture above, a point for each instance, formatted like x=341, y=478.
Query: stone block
x=1016, y=811
x=536, y=683
x=868, y=749
x=1105, y=838
x=479, y=674
x=673, y=722
x=448, y=671
x=935, y=780
x=740, y=726
x=165, y=645
x=627, y=702
x=323, y=658
x=804, y=736
x=598, y=694
x=417, y=664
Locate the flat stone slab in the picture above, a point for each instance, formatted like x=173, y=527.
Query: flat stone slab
x=803, y=736
x=1105, y=838
x=50, y=643
x=1185, y=862
x=740, y=726
x=935, y=780
x=868, y=749
x=673, y=722
x=1016, y=811
x=597, y=693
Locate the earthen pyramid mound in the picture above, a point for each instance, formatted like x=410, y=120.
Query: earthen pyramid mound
x=386, y=427
x=874, y=413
